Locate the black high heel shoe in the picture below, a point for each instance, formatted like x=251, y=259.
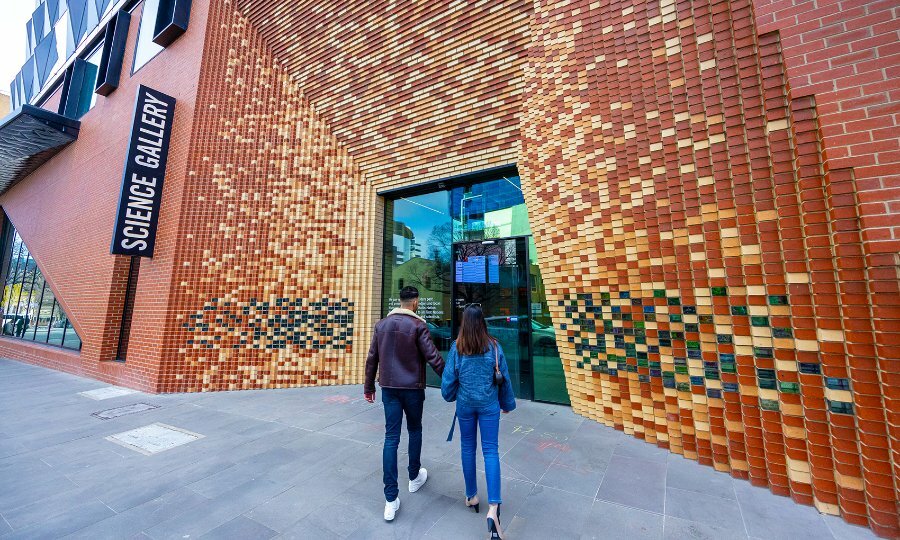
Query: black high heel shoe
x=494, y=526
x=475, y=504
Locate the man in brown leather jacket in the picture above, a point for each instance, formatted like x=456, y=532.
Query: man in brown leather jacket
x=400, y=348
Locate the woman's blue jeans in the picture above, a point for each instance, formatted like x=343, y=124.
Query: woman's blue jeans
x=486, y=419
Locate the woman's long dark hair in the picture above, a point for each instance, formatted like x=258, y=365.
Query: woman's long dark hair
x=473, y=334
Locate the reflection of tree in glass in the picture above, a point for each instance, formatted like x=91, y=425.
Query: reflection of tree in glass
x=492, y=296
x=438, y=276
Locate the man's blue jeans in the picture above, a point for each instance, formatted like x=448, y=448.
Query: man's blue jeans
x=398, y=401
x=487, y=420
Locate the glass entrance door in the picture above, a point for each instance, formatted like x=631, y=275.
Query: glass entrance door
x=472, y=243
x=494, y=273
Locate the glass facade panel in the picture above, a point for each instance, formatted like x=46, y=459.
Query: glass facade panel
x=417, y=247
x=29, y=309
x=493, y=209
x=549, y=378
x=145, y=49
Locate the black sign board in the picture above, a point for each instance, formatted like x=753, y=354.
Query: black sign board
x=145, y=169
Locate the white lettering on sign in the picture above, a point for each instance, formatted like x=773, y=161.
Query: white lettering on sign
x=142, y=183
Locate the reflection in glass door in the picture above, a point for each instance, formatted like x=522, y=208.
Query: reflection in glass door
x=494, y=273
x=428, y=234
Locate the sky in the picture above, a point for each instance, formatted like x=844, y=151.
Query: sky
x=12, y=38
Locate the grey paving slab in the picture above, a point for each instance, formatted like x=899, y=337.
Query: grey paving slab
x=24, y=492
x=357, y=431
x=636, y=448
x=273, y=463
x=240, y=528
x=608, y=520
x=682, y=529
x=689, y=475
x=533, y=455
x=561, y=422
x=703, y=508
x=74, y=518
x=769, y=516
x=306, y=420
x=554, y=509
x=573, y=478
x=635, y=482
x=314, y=491
x=305, y=529
x=522, y=528
x=133, y=521
x=282, y=511
x=47, y=507
x=122, y=494
x=280, y=462
x=218, y=511
x=11, y=447
x=593, y=456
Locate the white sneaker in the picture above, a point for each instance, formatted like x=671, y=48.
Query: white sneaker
x=418, y=481
x=390, y=509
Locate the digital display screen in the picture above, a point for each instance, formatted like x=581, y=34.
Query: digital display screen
x=478, y=269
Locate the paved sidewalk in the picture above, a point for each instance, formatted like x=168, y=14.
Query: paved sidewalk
x=306, y=463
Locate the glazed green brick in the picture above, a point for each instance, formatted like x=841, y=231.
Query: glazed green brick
x=782, y=333
x=769, y=405
x=789, y=387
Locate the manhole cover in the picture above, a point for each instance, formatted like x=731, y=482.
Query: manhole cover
x=154, y=438
x=107, y=393
x=122, y=411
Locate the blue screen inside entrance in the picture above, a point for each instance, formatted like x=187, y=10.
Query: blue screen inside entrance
x=471, y=270
x=477, y=268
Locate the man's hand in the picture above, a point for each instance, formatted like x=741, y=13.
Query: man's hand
x=370, y=397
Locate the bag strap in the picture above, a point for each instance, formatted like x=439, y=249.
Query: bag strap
x=496, y=356
x=452, y=429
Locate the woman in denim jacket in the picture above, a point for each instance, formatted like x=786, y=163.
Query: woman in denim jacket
x=469, y=379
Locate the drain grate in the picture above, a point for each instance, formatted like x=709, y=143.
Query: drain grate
x=122, y=411
x=154, y=438
x=107, y=392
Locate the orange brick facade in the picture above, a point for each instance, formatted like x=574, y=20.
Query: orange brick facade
x=712, y=188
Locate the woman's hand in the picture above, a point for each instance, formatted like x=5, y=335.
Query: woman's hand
x=504, y=412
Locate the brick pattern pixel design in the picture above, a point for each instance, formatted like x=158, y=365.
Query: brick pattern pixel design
x=699, y=259
x=272, y=255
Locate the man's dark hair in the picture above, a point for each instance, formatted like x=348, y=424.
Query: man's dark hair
x=408, y=293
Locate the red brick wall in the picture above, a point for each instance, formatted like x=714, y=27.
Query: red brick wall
x=696, y=184
x=845, y=55
x=415, y=91
x=66, y=209
x=274, y=262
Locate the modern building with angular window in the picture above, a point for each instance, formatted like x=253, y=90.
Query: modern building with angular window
x=680, y=217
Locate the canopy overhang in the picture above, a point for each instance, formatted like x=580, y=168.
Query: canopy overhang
x=30, y=137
